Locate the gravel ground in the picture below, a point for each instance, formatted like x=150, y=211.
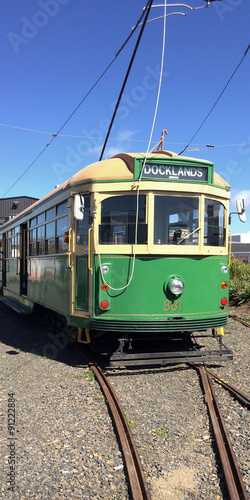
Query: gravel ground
x=63, y=443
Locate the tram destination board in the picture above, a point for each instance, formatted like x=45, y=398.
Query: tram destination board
x=175, y=172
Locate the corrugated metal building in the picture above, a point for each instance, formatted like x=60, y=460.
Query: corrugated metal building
x=9, y=207
x=241, y=251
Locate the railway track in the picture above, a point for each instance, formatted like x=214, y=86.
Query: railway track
x=137, y=481
x=138, y=485
x=235, y=485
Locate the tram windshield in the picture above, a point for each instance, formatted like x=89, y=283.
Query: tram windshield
x=176, y=220
x=118, y=220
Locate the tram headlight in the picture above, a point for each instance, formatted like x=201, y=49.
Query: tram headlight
x=105, y=269
x=176, y=286
x=224, y=269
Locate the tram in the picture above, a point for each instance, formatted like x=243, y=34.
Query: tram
x=134, y=246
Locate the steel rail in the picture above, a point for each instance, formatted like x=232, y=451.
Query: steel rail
x=236, y=393
x=137, y=481
x=233, y=478
x=233, y=316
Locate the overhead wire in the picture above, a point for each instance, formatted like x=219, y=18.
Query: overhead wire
x=148, y=7
x=118, y=139
x=139, y=180
x=144, y=12
x=236, y=69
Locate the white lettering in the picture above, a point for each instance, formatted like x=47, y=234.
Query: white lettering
x=50, y=6
x=146, y=170
x=28, y=29
x=40, y=19
x=72, y=158
x=16, y=40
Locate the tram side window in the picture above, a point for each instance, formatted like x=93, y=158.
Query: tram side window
x=214, y=224
x=176, y=220
x=61, y=228
x=83, y=226
x=50, y=246
x=40, y=244
x=32, y=242
x=118, y=220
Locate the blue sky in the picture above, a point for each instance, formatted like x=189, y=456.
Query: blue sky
x=53, y=51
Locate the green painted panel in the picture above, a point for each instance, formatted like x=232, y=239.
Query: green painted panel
x=49, y=282
x=147, y=297
x=82, y=283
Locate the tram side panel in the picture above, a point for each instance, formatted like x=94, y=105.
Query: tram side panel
x=49, y=282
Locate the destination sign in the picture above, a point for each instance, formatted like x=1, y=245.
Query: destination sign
x=174, y=172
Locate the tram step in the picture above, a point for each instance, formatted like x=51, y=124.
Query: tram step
x=16, y=307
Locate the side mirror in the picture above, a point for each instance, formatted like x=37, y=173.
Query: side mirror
x=241, y=210
x=79, y=207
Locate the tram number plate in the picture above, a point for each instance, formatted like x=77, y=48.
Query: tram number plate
x=175, y=305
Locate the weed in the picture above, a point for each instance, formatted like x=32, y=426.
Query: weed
x=131, y=424
x=161, y=432
x=91, y=375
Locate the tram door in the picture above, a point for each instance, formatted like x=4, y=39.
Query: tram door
x=23, y=261
x=82, y=258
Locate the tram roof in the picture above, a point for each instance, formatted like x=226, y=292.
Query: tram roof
x=118, y=167
x=121, y=167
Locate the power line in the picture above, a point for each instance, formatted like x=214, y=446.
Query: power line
x=245, y=53
x=81, y=102
x=148, y=7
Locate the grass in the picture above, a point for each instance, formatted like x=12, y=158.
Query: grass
x=91, y=375
x=161, y=432
x=131, y=424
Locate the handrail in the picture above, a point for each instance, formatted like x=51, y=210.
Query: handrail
x=89, y=248
x=69, y=246
x=230, y=248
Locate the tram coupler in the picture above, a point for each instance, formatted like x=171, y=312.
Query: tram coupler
x=122, y=342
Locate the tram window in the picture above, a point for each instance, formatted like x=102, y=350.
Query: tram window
x=41, y=218
x=51, y=213
x=62, y=208
x=118, y=219
x=33, y=222
x=32, y=242
x=50, y=246
x=176, y=220
x=214, y=224
x=61, y=228
x=40, y=244
x=50, y=230
x=82, y=226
